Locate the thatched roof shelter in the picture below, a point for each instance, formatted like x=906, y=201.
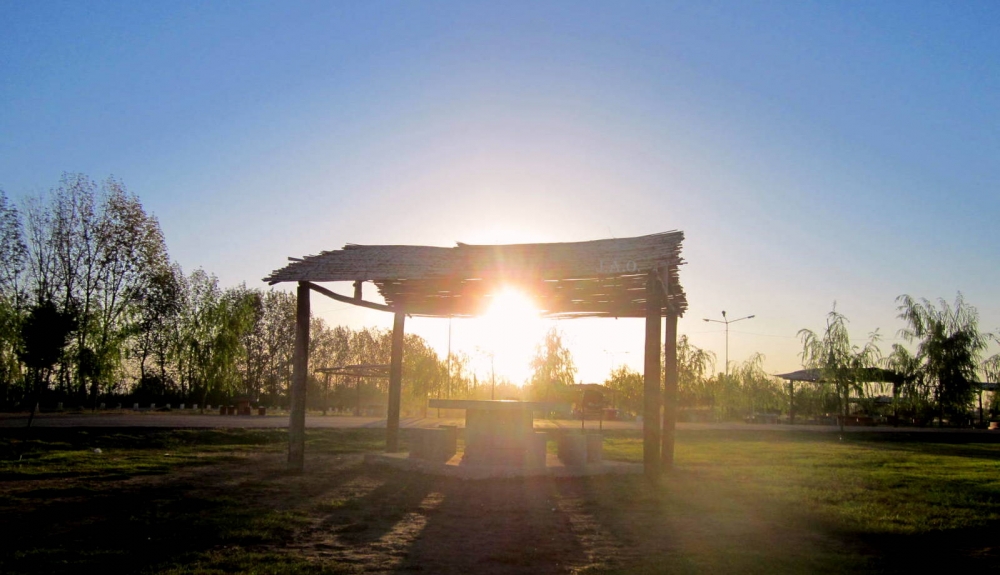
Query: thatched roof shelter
x=578, y=279
x=624, y=277
x=813, y=375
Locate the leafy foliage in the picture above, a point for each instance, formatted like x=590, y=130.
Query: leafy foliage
x=843, y=364
x=626, y=385
x=553, y=370
x=949, y=350
x=44, y=335
x=146, y=329
x=693, y=368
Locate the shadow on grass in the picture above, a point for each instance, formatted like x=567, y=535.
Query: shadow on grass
x=496, y=526
x=340, y=516
x=976, y=446
x=124, y=530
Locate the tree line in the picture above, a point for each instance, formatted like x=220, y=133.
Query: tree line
x=942, y=379
x=701, y=394
x=945, y=378
x=93, y=309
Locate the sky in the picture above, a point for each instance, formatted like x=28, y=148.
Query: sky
x=811, y=152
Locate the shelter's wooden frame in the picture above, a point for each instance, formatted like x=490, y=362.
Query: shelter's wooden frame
x=624, y=277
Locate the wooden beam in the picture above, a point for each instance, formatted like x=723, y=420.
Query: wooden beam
x=300, y=364
x=395, y=384
x=345, y=299
x=651, y=395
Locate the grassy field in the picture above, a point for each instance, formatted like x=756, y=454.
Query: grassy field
x=219, y=501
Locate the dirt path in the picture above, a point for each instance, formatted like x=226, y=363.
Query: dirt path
x=342, y=516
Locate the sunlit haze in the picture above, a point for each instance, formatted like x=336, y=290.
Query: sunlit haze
x=507, y=333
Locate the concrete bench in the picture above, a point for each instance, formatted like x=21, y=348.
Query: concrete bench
x=577, y=449
x=434, y=444
x=537, y=450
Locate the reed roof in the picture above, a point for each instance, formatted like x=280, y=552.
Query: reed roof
x=573, y=279
x=868, y=374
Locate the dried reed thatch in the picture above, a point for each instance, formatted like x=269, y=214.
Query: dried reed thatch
x=576, y=279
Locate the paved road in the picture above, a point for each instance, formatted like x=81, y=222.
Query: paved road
x=161, y=419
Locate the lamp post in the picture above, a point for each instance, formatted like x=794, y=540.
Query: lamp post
x=727, y=322
x=493, y=378
x=613, y=355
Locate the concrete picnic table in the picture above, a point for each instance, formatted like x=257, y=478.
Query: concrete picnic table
x=499, y=432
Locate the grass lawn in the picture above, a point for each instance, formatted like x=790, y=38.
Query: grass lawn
x=219, y=501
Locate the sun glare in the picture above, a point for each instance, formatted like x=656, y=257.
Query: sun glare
x=510, y=307
x=508, y=333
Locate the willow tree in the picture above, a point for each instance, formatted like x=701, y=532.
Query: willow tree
x=760, y=391
x=991, y=369
x=950, y=349
x=552, y=368
x=841, y=363
x=693, y=366
x=213, y=322
x=626, y=385
x=13, y=261
x=909, y=390
x=423, y=371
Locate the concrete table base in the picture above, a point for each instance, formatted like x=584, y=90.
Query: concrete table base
x=499, y=432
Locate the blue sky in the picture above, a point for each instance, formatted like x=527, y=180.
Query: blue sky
x=812, y=152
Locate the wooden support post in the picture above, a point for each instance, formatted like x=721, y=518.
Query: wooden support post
x=670, y=377
x=791, y=402
x=395, y=384
x=326, y=392
x=300, y=365
x=651, y=395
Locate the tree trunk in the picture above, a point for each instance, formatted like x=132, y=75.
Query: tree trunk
x=35, y=395
x=843, y=408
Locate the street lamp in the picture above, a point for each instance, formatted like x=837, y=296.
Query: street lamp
x=613, y=355
x=727, y=322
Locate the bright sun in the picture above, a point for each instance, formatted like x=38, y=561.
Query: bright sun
x=508, y=333
x=510, y=307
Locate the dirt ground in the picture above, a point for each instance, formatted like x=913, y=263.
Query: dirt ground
x=357, y=518
x=384, y=521
x=351, y=517
x=343, y=516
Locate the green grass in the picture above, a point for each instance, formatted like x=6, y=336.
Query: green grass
x=218, y=501
x=68, y=508
x=865, y=482
x=51, y=452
